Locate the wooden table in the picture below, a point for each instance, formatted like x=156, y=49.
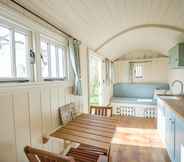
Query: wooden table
x=89, y=129
x=123, y=138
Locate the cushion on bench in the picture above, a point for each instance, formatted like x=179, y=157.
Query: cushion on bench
x=144, y=101
x=137, y=90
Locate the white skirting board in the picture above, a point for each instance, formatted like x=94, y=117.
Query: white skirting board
x=137, y=110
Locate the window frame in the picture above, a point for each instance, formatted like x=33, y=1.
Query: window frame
x=57, y=44
x=13, y=28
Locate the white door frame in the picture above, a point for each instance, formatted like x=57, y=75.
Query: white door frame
x=91, y=53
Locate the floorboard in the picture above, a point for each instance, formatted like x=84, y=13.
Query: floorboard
x=137, y=140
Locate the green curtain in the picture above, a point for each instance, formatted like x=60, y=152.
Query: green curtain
x=113, y=73
x=131, y=68
x=107, y=71
x=75, y=62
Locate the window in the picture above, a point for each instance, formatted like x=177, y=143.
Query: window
x=14, y=62
x=5, y=53
x=53, y=60
x=138, y=70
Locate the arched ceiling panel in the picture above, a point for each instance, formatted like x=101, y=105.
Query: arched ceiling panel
x=156, y=39
x=95, y=21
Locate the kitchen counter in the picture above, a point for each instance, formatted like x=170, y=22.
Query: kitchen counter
x=175, y=103
x=170, y=124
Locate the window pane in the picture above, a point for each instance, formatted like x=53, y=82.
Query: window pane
x=44, y=50
x=5, y=53
x=53, y=61
x=139, y=70
x=21, y=55
x=61, y=57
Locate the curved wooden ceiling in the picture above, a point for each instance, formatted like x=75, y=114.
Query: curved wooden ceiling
x=170, y=27
x=114, y=27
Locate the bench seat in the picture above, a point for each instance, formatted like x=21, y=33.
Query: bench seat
x=140, y=101
x=136, y=99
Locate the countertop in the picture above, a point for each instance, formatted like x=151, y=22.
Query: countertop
x=176, y=105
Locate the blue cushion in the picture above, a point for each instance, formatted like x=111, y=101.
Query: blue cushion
x=137, y=90
x=133, y=101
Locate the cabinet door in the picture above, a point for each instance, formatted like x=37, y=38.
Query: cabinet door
x=162, y=124
x=167, y=131
x=170, y=133
x=172, y=140
x=173, y=57
x=179, y=138
x=181, y=55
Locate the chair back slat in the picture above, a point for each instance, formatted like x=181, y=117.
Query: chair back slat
x=32, y=158
x=67, y=113
x=36, y=155
x=101, y=110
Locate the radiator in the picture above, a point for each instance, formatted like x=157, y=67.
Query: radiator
x=125, y=111
x=137, y=110
x=150, y=113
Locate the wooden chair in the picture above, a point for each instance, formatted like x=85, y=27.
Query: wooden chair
x=84, y=153
x=101, y=110
x=87, y=153
x=67, y=113
x=36, y=155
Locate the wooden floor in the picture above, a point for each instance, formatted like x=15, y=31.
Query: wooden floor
x=137, y=140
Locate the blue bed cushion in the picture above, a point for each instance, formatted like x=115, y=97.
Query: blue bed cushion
x=145, y=101
x=137, y=90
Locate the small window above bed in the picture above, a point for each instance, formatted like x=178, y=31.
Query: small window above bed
x=139, y=70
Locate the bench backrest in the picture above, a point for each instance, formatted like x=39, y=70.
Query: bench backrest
x=137, y=90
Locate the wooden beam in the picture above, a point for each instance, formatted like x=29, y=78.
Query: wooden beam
x=43, y=19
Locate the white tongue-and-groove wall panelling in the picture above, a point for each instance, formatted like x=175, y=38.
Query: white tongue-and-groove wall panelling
x=27, y=114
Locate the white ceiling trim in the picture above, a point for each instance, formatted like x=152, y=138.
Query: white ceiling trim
x=162, y=26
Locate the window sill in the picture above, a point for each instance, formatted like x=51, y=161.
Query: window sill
x=14, y=80
x=30, y=84
x=55, y=79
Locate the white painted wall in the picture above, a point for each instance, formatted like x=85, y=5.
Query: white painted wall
x=155, y=71
x=28, y=112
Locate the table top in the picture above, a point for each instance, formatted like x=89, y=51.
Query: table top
x=89, y=129
x=98, y=131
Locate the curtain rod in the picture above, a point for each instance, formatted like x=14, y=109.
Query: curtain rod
x=43, y=19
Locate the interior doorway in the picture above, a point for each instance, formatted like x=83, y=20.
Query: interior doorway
x=95, y=80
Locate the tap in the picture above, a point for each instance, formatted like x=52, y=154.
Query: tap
x=181, y=83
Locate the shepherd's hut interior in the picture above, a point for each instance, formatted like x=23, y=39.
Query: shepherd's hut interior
x=91, y=80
